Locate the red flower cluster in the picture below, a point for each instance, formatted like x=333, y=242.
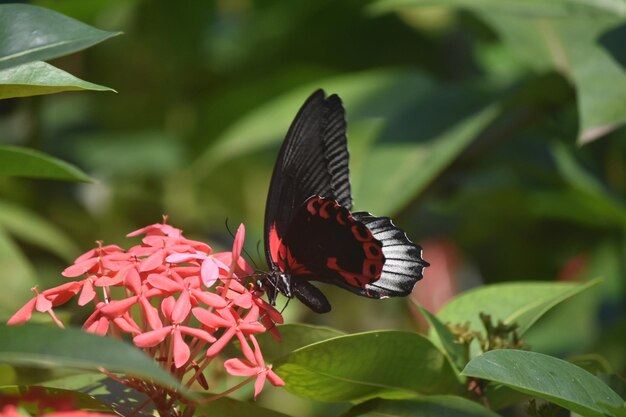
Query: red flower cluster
x=166, y=306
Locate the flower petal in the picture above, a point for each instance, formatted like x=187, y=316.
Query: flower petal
x=238, y=367
x=209, y=272
x=181, y=350
x=275, y=379
x=210, y=319
x=24, y=313
x=87, y=294
x=258, y=356
x=152, y=338
x=220, y=343
x=42, y=304
x=153, y=261
x=238, y=242
x=258, y=384
x=118, y=307
x=167, y=305
x=181, y=308
x=179, y=258
x=209, y=298
x=152, y=314
x=198, y=333
x=164, y=283
x=79, y=268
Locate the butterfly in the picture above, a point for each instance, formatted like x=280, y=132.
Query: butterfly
x=311, y=233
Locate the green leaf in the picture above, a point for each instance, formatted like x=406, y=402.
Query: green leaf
x=545, y=377
x=293, y=336
x=400, y=170
x=570, y=46
x=435, y=405
x=445, y=340
x=614, y=411
x=46, y=346
x=30, y=33
x=23, y=162
x=562, y=36
x=16, y=275
x=389, y=364
x=37, y=78
x=521, y=302
x=232, y=408
x=30, y=227
x=78, y=400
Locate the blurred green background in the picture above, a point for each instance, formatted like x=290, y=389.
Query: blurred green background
x=492, y=132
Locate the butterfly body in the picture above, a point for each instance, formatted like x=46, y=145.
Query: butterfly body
x=311, y=233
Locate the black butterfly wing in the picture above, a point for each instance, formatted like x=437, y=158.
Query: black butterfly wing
x=364, y=254
x=313, y=160
x=403, y=266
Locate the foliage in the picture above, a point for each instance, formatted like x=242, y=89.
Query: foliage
x=492, y=131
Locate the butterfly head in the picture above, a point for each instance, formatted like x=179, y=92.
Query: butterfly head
x=273, y=283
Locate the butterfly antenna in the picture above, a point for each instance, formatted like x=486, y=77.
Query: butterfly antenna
x=244, y=249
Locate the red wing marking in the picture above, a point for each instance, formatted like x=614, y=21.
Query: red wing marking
x=276, y=242
x=281, y=255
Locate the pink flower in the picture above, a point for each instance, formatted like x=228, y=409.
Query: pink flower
x=43, y=302
x=253, y=365
x=177, y=312
x=229, y=319
x=150, y=291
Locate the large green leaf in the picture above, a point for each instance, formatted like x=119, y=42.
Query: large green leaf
x=293, y=336
x=30, y=227
x=390, y=364
x=50, y=347
x=23, y=162
x=520, y=302
x=562, y=35
x=37, y=78
x=16, y=275
x=545, y=377
x=30, y=33
x=435, y=405
x=571, y=47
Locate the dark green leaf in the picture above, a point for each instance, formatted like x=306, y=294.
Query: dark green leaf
x=545, y=377
x=520, y=302
x=30, y=33
x=46, y=346
x=560, y=35
x=37, y=78
x=435, y=405
x=23, y=162
x=389, y=364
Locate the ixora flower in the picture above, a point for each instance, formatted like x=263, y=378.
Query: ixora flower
x=180, y=303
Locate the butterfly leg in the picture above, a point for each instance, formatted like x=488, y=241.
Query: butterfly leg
x=310, y=296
